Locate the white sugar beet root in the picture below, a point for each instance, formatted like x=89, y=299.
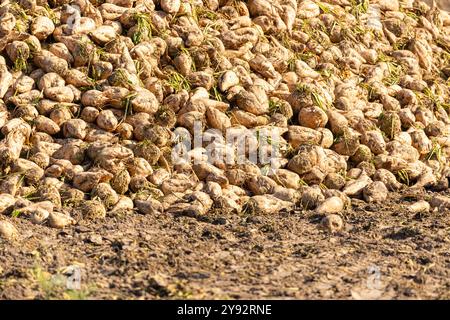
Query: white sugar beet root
x=419, y=206
x=8, y=231
x=298, y=104
x=331, y=205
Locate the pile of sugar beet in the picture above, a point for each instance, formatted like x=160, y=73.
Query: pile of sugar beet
x=91, y=93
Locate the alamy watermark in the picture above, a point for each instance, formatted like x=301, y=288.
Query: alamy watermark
x=74, y=19
x=237, y=145
x=70, y=278
x=73, y=277
x=373, y=281
x=374, y=17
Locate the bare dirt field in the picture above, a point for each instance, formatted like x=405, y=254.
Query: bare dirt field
x=384, y=252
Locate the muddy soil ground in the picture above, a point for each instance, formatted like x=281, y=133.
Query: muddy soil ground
x=384, y=252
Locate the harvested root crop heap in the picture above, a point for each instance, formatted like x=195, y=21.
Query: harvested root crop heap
x=94, y=96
